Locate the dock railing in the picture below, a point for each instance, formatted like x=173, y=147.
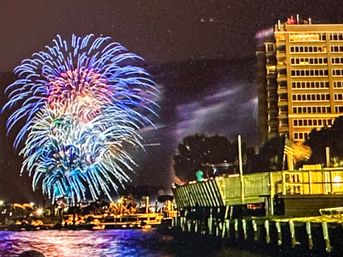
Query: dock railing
x=310, y=182
x=336, y=212
x=259, y=187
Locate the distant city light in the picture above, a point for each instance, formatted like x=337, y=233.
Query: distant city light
x=39, y=211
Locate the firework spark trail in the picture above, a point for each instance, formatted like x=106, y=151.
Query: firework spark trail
x=81, y=104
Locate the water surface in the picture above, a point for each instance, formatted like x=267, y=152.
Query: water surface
x=117, y=243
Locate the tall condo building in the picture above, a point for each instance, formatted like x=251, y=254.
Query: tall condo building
x=299, y=77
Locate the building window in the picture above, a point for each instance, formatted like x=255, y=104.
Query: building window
x=308, y=49
x=338, y=84
x=311, y=109
x=339, y=109
x=270, y=47
x=309, y=73
x=338, y=96
x=336, y=36
x=337, y=60
x=337, y=49
x=337, y=72
x=307, y=37
x=309, y=60
x=310, y=84
x=312, y=122
x=310, y=97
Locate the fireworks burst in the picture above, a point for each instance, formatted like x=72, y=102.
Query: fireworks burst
x=82, y=104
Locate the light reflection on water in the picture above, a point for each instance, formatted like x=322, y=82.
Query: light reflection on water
x=116, y=243
x=55, y=243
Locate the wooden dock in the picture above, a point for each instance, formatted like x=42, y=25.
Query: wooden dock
x=289, y=204
x=289, y=193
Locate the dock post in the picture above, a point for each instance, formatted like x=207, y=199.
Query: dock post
x=226, y=227
x=184, y=221
x=217, y=228
x=254, y=227
x=189, y=225
x=209, y=223
x=266, y=226
x=225, y=221
x=217, y=222
x=292, y=231
x=244, y=226
x=326, y=237
x=309, y=235
x=279, y=233
x=236, y=229
x=184, y=224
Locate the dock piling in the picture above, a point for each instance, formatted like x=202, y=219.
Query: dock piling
x=279, y=233
x=292, y=231
x=254, y=226
x=244, y=226
x=326, y=237
x=266, y=226
x=309, y=235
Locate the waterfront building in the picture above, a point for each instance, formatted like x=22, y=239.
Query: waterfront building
x=299, y=78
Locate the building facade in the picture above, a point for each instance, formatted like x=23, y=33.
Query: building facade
x=300, y=78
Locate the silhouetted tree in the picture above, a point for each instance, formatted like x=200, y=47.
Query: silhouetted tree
x=195, y=151
x=331, y=137
x=270, y=155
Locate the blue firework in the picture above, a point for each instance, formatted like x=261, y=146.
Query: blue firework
x=82, y=104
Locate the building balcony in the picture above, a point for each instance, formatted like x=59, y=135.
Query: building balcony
x=280, y=54
x=281, y=65
x=280, y=42
x=283, y=115
x=269, y=53
x=271, y=75
x=282, y=98
x=281, y=78
x=271, y=88
x=283, y=129
x=272, y=113
x=282, y=103
x=282, y=90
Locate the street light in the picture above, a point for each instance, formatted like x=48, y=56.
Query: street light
x=1, y=202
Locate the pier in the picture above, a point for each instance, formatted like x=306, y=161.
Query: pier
x=280, y=210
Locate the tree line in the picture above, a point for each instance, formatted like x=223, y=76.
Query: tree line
x=216, y=154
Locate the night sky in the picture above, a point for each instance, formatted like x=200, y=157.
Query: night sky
x=201, y=54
